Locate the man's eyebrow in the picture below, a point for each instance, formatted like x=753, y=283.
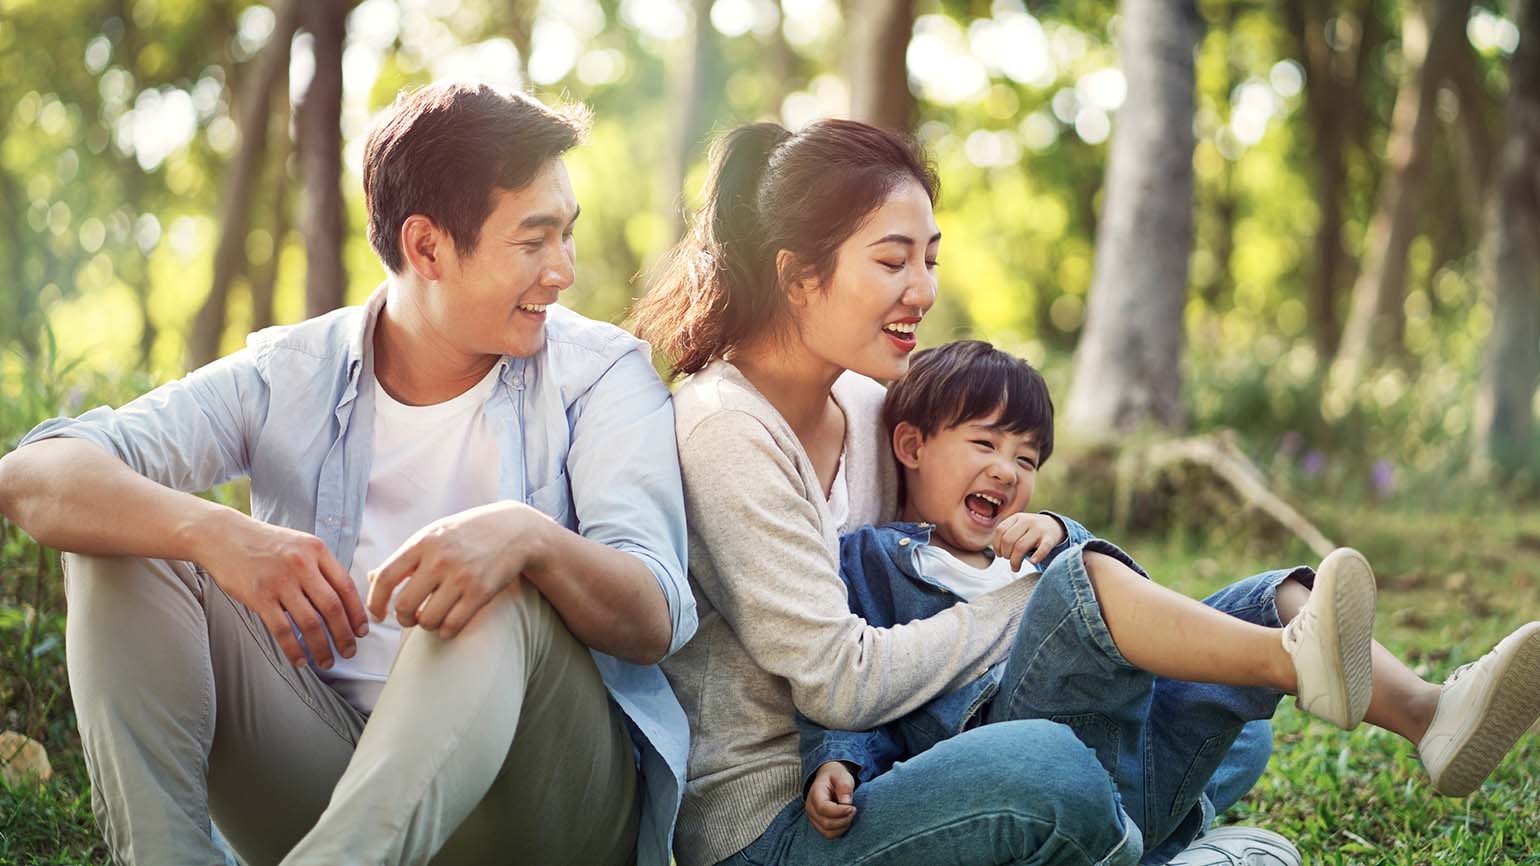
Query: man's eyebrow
x=548, y=220
x=897, y=238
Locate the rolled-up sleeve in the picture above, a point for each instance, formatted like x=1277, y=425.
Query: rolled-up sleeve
x=623, y=466
x=190, y=434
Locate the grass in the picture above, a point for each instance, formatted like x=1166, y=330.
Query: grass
x=1456, y=574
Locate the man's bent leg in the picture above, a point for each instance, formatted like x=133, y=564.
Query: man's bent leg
x=162, y=670
x=441, y=746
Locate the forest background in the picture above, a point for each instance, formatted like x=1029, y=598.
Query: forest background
x=1280, y=262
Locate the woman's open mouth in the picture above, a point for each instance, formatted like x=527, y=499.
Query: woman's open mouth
x=901, y=333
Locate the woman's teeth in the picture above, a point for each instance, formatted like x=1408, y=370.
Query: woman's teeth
x=903, y=329
x=534, y=308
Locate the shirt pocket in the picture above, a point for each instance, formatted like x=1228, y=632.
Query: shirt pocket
x=554, y=499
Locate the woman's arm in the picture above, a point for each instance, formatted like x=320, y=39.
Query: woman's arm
x=771, y=574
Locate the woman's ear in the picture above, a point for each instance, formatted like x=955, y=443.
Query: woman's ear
x=794, y=277
x=908, y=442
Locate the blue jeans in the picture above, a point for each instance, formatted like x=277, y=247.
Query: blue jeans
x=1019, y=792
x=1169, y=745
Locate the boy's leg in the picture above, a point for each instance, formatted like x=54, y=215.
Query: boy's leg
x=1018, y=792
x=501, y=739
x=1192, y=744
x=186, y=704
x=1065, y=666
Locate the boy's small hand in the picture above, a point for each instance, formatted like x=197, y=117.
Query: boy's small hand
x=829, y=799
x=1027, y=535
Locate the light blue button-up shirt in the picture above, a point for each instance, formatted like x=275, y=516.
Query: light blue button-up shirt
x=585, y=433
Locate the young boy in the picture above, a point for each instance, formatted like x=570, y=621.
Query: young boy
x=1157, y=684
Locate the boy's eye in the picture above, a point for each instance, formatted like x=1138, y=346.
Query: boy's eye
x=1027, y=462
x=984, y=443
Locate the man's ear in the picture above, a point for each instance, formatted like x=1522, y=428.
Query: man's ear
x=798, y=283
x=908, y=442
x=423, y=245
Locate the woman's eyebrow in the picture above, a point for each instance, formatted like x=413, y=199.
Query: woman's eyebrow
x=906, y=240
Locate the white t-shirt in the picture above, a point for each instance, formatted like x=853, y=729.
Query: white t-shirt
x=429, y=462
x=968, y=581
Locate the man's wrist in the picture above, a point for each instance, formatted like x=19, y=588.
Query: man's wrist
x=531, y=529
x=200, y=525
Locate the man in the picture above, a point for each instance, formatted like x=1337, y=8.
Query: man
x=492, y=477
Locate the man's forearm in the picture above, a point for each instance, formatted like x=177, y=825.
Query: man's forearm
x=71, y=495
x=608, y=598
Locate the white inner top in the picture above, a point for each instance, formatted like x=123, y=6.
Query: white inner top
x=839, y=498
x=968, y=581
x=429, y=462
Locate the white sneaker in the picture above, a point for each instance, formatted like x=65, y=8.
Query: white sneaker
x=1239, y=846
x=1484, y=708
x=1332, y=639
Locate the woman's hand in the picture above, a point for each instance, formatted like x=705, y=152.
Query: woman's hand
x=829, y=799
x=1027, y=535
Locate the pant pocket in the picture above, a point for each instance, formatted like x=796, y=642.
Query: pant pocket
x=1204, y=762
x=1098, y=733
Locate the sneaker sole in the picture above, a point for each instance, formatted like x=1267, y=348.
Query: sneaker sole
x=1513, y=704
x=1350, y=619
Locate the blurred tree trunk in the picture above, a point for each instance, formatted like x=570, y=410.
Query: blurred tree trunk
x=877, y=68
x=320, y=158
x=1376, y=318
x=1334, y=105
x=1511, y=261
x=264, y=279
x=1472, y=144
x=522, y=29
x=689, y=85
x=1128, y=364
x=253, y=108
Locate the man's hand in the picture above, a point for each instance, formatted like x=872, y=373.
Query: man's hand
x=1027, y=535
x=456, y=564
x=275, y=571
x=829, y=799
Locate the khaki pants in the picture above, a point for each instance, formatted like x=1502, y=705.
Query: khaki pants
x=500, y=745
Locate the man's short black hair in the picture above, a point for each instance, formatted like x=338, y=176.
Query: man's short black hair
x=967, y=380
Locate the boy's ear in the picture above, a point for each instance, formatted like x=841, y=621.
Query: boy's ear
x=907, y=443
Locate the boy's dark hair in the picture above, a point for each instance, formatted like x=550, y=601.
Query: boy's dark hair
x=441, y=150
x=970, y=379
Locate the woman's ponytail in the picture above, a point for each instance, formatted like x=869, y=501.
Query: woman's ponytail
x=707, y=292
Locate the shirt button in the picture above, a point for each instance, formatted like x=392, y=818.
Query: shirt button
x=331, y=521
x=902, y=542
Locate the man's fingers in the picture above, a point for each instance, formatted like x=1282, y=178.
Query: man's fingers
x=432, y=613
x=384, y=580
x=310, y=627
x=324, y=599
x=278, y=626
x=347, y=593
x=412, y=595
x=462, y=613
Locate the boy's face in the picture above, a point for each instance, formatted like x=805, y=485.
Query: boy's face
x=966, y=479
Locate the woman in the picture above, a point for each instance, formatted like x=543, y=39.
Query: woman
x=803, y=281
